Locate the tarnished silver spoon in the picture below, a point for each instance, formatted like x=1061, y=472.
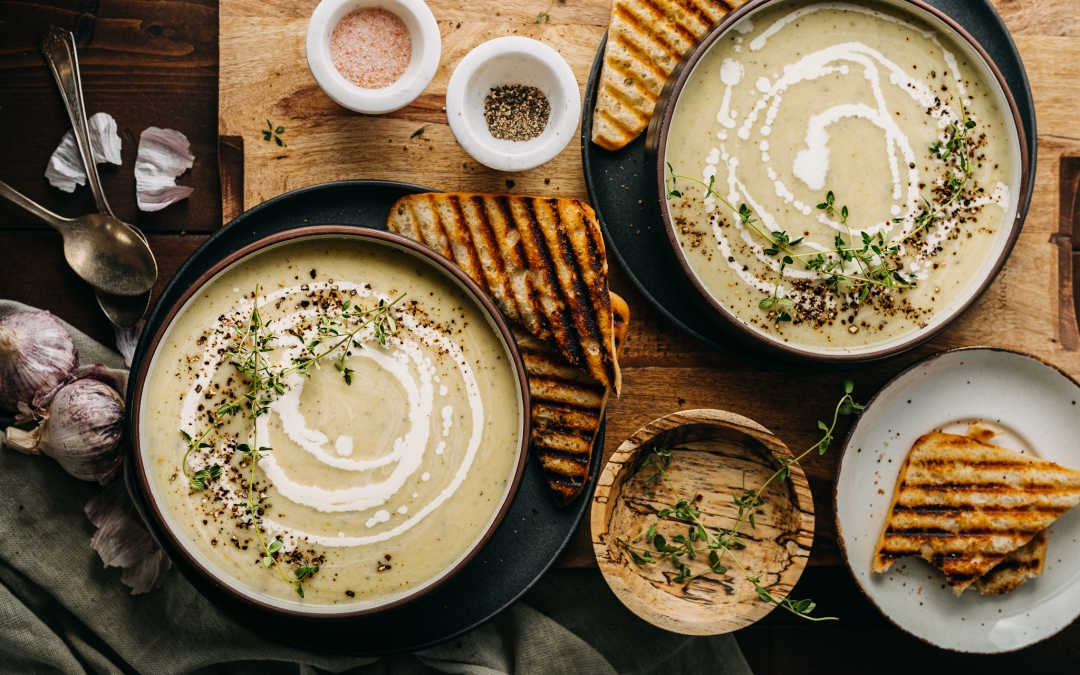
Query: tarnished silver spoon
x=58, y=46
x=97, y=248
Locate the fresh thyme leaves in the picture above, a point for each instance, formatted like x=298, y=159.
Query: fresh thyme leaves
x=418, y=132
x=858, y=266
x=874, y=256
x=544, y=17
x=273, y=133
x=200, y=478
x=717, y=546
x=336, y=334
x=959, y=148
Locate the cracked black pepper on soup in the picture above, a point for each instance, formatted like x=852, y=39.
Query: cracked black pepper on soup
x=514, y=112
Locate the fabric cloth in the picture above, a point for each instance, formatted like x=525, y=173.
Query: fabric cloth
x=61, y=611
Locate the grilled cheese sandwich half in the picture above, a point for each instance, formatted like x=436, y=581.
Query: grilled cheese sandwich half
x=964, y=506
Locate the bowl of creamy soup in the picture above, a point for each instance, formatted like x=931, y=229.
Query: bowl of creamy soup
x=330, y=423
x=839, y=180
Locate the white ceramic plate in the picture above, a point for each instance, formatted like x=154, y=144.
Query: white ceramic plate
x=1038, y=409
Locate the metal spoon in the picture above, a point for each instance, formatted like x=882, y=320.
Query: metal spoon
x=58, y=45
x=91, y=250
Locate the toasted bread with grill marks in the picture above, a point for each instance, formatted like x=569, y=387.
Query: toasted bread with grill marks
x=1022, y=564
x=645, y=41
x=964, y=505
x=541, y=260
x=567, y=408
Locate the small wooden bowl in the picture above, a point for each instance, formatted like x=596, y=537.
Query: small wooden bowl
x=713, y=453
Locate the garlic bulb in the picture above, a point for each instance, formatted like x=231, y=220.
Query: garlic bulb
x=81, y=431
x=36, y=356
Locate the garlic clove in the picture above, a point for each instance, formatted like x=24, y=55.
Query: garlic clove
x=122, y=541
x=66, y=171
x=37, y=356
x=163, y=155
x=147, y=574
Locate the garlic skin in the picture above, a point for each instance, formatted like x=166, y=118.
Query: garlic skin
x=65, y=170
x=81, y=431
x=122, y=541
x=163, y=155
x=36, y=356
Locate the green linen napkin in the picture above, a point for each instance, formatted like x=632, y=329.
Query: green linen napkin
x=61, y=611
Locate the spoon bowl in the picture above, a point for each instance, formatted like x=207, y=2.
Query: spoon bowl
x=106, y=252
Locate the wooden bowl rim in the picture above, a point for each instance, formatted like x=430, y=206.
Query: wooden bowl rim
x=609, y=487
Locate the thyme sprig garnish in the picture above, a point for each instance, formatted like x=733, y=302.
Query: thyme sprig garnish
x=872, y=256
x=716, y=544
x=958, y=144
x=252, y=342
x=274, y=133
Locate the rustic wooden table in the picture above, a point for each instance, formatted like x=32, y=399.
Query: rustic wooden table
x=156, y=63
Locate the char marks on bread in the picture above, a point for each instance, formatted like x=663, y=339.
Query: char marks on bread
x=567, y=409
x=542, y=261
x=965, y=506
x=645, y=41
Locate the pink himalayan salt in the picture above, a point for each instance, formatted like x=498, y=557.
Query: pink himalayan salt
x=371, y=48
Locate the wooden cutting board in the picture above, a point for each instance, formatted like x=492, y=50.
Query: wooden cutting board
x=264, y=74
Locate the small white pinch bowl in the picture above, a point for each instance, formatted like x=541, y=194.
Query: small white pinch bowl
x=426, y=51
x=1035, y=407
x=512, y=60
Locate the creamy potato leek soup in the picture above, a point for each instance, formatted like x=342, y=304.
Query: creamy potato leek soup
x=381, y=464
x=870, y=175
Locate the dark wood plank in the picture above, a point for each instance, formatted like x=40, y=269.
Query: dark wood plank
x=864, y=641
x=147, y=63
x=35, y=273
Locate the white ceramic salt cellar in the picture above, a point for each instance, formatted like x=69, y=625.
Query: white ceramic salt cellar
x=508, y=61
x=424, y=61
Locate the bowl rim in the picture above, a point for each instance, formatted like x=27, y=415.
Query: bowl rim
x=623, y=464
x=842, y=544
x=387, y=99
x=474, y=145
x=656, y=143
x=380, y=237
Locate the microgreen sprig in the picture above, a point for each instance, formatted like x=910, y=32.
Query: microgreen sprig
x=719, y=544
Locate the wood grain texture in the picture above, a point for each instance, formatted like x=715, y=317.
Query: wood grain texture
x=714, y=454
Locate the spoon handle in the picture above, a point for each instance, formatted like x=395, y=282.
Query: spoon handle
x=33, y=207
x=58, y=46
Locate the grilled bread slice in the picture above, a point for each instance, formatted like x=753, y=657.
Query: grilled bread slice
x=541, y=260
x=1022, y=564
x=645, y=41
x=567, y=408
x=964, y=505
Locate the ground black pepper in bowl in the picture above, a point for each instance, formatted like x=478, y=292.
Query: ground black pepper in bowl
x=515, y=112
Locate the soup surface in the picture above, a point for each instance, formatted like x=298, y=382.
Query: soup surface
x=868, y=104
x=383, y=467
